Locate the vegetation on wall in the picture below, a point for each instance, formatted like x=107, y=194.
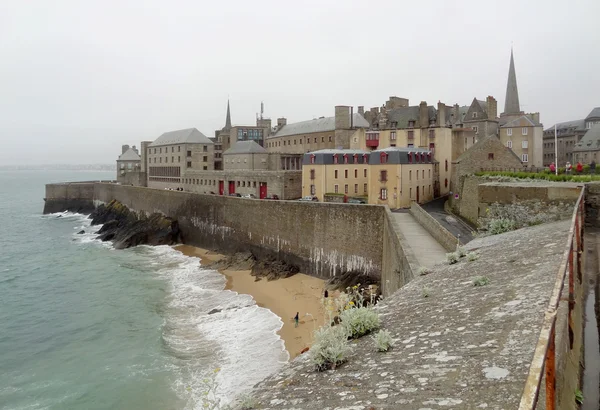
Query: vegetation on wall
x=546, y=176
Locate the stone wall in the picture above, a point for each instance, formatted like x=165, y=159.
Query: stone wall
x=441, y=234
x=69, y=196
x=399, y=264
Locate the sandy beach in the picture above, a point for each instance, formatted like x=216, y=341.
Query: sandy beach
x=284, y=297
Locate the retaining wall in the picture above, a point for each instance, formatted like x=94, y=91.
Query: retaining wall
x=399, y=264
x=441, y=234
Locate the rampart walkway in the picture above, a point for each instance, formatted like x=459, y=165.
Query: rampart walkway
x=426, y=249
x=458, y=346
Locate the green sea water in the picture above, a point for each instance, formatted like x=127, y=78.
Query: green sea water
x=84, y=326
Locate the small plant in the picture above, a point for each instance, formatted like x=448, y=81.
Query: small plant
x=461, y=251
x=472, y=256
x=360, y=321
x=330, y=348
x=452, y=258
x=579, y=396
x=383, y=340
x=248, y=402
x=425, y=292
x=498, y=226
x=480, y=281
x=424, y=271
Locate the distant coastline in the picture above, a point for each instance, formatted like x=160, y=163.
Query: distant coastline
x=60, y=167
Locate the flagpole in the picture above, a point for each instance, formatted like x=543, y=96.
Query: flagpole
x=555, y=151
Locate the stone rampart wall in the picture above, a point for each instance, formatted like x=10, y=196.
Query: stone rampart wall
x=441, y=234
x=69, y=196
x=399, y=264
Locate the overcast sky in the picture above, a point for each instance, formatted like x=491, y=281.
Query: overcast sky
x=80, y=78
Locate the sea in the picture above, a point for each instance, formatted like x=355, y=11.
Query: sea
x=86, y=326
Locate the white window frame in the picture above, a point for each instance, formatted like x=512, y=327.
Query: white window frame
x=474, y=115
x=524, y=157
x=509, y=131
x=524, y=144
x=509, y=144
x=393, y=135
x=336, y=188
x=383, y=194
x=524, y=131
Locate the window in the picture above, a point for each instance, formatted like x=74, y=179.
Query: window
x=315, y=140
x=410, y=175
x=345, y=173
x=429, y=173
x=322, y=139
x=204, y=159
x=525, y=158
x=365, y=173
x=383, y=194
x=432, y=134
x=336, y=188
x=474, y=115
x=383, y=158
x=446, y=166
x=524, y=130
x=330, y=138
x=356, y=173
x=393, y=135
x=411, y=135
x=356, y=158
x=335, y=174
x=365, y=159
x=509, y=131
x=160, y=160
x=356, y=188
x=160, y=150
x=423, y=174
x=189, y=153
x=509, y=144
x=346, y=188
x=335, y=158
x=417, y=174
x=312, y=174
x=179, y=147
x=446, y=182
x=312, y=190
x=365, y=188
x=383, y=176
x=204, y=148
x=294, y=142
x=410, y=157
x=345, y=158
x=172, y=159
x=524, y=143
x=411, y=123
x=490, y=156
x=189, y=164
x=476, y=129
x=205, y=168
x=312, y=158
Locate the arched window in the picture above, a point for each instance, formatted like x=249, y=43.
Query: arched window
x=429, y=157
x=410, y=157
x=383, y=158
x=365, y=158
x=446, y=170
x=312, y=158
x=335, y=158
x=345, y=158
x=446, y=182
x=356, y=158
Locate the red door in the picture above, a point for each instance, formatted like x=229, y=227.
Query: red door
x=263, y=190
x=221, y=187
x=231, y=187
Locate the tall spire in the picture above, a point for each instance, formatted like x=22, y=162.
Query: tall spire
x=228, y=118
x=511, y=103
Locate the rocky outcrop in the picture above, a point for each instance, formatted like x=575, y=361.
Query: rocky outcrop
x=127, y=228
x=270, y=269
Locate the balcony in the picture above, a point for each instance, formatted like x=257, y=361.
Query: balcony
x=372, y=143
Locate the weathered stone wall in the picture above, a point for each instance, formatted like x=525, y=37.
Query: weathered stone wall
x=69, y=196
x=399, y=264
x=441, y=234
x=322, y=239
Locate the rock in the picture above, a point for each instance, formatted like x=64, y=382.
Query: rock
x=238, y=261
x=126, y=228
x=213, y=311
x=81, y=232
x=273, y=269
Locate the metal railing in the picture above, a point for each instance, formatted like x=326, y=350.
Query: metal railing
x=544, y=357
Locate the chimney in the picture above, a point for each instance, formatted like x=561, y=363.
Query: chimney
x=351, y=117
x=342, y=117
x=423, y=115
x=124, y=148
x=536, y=117
x=492, y=107
x=135, y=149
x=281, y=122
x=441, y=115
x=361, y=109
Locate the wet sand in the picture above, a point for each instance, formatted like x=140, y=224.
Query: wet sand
x=284, y=297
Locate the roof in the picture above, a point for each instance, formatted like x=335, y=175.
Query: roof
x=129, y=155
x=595, y=113
x=245, y=147
x=186, y=136
x=318, y=125
x=521, y=121
x=401, y=116
x=338, y=151
x=480, y=143
x=511, y=103
x=397, y=155
x=577, y=124
x=590, y=141
x=325, y=156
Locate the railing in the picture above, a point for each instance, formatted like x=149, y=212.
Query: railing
x=544, y=357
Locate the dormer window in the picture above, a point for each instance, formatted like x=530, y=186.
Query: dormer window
x=312, y=159
x=410, y=157
x=365, y=158
x=474, y=115
x=335, y=158
x=383, y=157
x=411, y=124
x=356, y=158
x=345, y=158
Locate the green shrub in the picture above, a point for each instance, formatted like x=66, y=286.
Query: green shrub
x=330, y=348
x=461, y=251
x=383, y=340
x=472, y=256
x=424, y=271
x=547, y=175
x=360, y=321
x=248, y=403
x=480, y=281
x=452, y=258
x=498, y=226
x=425, y=292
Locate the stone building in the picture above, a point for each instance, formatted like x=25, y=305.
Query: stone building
x=129, y=167
x=521, y=132
x=482, y=117
x=174, y=153
x=588, y=148
x=246, y=155
x=336, y=172
x=318, y=134
x=398, y=176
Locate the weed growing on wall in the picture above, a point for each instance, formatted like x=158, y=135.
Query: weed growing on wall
x=452, y=258
x=472, y=256
x=500, y=218
x=383, y=340
x=330, y=348
x=547, y=176
x=425, y=292
x=480, y=281
x=424, y=271
x=360, y=321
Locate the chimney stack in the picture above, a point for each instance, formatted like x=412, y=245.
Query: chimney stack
x=124, y=148
x=281, y=122
x=342, y=117
x=492, y=107
x=361, y=109
x=135, y=149
x=441, y=115
x=423, y=115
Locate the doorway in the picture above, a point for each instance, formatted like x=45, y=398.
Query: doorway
x=262, y=190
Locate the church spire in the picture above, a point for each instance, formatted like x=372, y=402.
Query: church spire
x=228, y=118
x=511, y=103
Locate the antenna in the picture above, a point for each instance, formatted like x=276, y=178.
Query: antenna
x=262, y=109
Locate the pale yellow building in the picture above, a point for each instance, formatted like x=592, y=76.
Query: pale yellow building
x=336, y=172
x=398, y=176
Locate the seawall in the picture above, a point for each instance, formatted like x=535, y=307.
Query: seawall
x=322, y=239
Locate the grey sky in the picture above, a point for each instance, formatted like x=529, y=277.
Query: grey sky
x=80, y=78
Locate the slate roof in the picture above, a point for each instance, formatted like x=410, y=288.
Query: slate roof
x=405, y=114
x=590, y=141
x=245, y=147
x=595, y=113
x=397, y=155
x=186, y=136
x=577, y=124
x=318, y=125
x=517, y=122
x=325, y=156
x=129, y=155
x=478, y=144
